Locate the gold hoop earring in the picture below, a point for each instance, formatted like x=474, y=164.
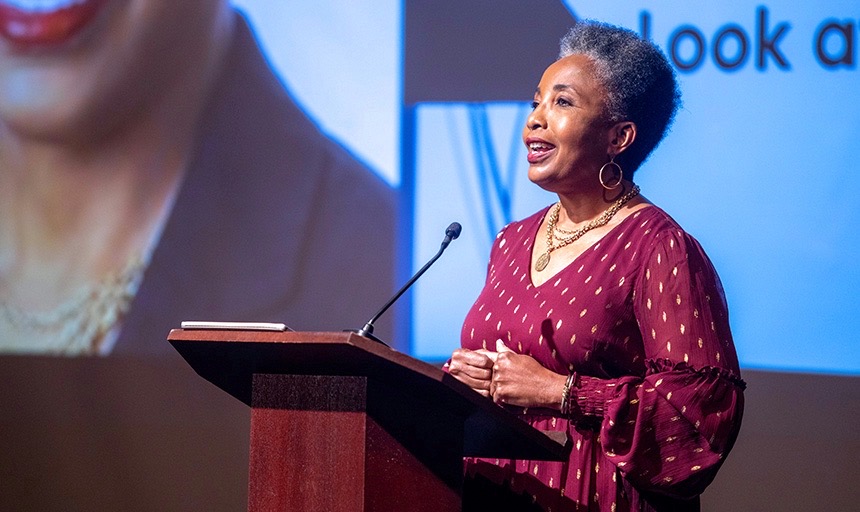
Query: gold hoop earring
x=620, y=174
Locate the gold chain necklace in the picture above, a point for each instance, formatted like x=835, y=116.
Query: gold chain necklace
x=575, y=235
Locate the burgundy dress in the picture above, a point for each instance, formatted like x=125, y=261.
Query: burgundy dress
x=641, y=318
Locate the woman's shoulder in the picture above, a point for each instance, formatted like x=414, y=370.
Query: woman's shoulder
x=656, y=216
x=651, y=230
x=653, y=224
x=658, y=234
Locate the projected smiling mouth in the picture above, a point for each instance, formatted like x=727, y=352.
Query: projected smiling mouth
x=35, y=23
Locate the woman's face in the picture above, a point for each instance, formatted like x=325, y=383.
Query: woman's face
x=71, y=66
x=566, y=134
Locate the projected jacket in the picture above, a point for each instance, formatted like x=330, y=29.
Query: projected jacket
x=274, y=221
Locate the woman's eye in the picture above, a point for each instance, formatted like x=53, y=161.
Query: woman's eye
x=534, y=105
x=563, y=102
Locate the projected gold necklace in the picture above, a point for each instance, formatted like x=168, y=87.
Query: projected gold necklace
x=576, y=234
x=79, y=325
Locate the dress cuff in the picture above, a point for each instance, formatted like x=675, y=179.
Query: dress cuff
x=591, y=395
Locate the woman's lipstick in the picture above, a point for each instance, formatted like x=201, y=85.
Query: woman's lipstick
x=538, y=149
x=44, y=23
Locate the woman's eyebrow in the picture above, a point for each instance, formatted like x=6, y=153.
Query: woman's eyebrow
x=558, y=87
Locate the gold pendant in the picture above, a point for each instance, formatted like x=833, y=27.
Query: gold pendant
x=542, y=261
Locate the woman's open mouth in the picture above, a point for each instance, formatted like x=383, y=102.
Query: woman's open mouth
x=538, y=150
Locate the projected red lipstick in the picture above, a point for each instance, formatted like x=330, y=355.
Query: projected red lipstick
x=45, y=26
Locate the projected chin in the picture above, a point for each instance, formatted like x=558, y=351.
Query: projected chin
x=72, y=67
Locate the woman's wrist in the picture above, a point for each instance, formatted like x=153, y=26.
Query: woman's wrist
x=553, y=392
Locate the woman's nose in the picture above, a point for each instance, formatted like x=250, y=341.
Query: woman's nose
x=535, y=119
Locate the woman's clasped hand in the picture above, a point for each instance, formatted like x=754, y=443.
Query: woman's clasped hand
x=507, y=377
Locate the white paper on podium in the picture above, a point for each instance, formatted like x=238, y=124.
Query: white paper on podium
x=236, y=326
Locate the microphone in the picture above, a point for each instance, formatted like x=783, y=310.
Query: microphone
x=451, y=233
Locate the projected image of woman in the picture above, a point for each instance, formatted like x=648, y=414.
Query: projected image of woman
x=600, y=316
x=153, y=169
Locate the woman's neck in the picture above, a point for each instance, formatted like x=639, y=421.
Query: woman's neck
x=584, y=204
x=57, y=197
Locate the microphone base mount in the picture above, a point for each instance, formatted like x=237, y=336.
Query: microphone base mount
x=366, y=334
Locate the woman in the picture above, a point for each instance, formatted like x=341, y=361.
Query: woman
x=600, y=316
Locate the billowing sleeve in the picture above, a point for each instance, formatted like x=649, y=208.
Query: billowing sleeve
x=669, y=431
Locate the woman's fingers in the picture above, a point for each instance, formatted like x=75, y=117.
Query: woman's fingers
x=480, y=385
x=476, y=358
x=489, y=353
x=473, y=369
x=472, y=372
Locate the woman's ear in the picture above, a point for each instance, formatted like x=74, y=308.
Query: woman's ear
x=621, y=136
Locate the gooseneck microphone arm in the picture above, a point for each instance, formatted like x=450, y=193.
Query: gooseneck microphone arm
x=451, y=233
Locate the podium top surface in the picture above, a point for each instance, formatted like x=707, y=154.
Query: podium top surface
x=230, y=358
x=227, y=357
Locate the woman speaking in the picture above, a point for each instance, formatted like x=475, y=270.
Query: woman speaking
x=600, y=316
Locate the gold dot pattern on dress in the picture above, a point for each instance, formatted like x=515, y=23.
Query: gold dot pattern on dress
x=648, y=277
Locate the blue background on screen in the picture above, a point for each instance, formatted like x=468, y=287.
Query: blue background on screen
x=759, y=166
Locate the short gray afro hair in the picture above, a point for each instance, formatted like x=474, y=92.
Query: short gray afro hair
x=639, y=81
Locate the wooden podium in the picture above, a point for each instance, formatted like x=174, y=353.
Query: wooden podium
x=343, y=423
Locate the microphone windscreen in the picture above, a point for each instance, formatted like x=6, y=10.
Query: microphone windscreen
x=453, y=230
